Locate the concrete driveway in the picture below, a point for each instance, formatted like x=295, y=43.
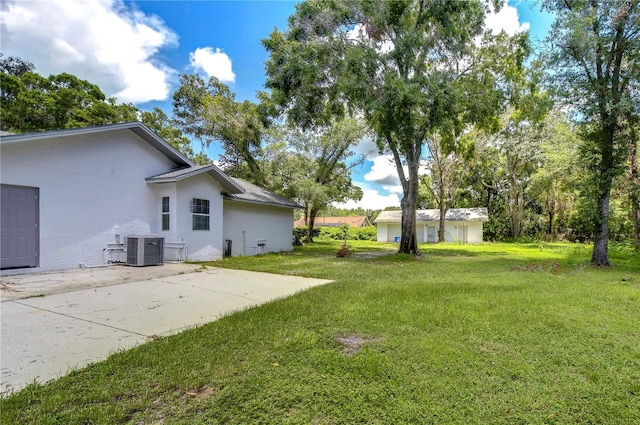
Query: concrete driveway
x=68, y=324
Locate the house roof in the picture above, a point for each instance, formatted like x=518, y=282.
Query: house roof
x=186, y=168
x=135, y=127
x=453, y=214
x=236, y=189
x=182, y=173
x=357, y=221
x=257, y=195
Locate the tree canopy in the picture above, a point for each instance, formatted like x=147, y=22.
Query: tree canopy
x=412, y=69
x=314, y=167
x=595, y=69
x=209, y=112
x=31, y=102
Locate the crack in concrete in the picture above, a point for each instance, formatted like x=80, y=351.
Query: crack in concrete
x=80, y=318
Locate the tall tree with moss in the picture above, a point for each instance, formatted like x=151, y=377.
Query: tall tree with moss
x=411, y=69
x=210, y=112
x=554, y=183
x=594, y=62
x=314, y=167
x=158, y=122
x=634, y=183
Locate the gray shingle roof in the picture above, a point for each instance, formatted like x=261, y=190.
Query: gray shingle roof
x=454, y=214
x=257, y=195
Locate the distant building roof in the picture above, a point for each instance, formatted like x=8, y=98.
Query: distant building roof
x=453, y=214
x=358, y=221
x=257, y=195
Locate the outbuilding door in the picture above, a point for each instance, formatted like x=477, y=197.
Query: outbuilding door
x=18, y=226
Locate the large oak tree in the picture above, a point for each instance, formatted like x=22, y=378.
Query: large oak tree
x=412, y=69
x=595, y=65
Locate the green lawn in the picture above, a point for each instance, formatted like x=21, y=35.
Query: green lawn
x=494, y=333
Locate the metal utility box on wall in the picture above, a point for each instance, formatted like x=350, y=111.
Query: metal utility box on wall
x=145, y=250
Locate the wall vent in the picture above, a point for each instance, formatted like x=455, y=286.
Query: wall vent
x=145, y=250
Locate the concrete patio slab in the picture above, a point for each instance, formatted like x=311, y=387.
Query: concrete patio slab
x=46, y=337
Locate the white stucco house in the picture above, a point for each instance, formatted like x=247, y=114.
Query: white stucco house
x=462, y=225
x=70, y=198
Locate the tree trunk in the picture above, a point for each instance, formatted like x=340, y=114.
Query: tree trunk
x=313, y=212
x=442, y=221
x=516, y=209
x=600, y=255
x=408, y=240
x=635, y=189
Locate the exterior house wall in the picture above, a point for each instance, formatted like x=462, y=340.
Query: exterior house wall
x=454, y=231
x=202, y=244
x=428, y=231
x=91, y=187
x=474, y=232
x=393, y=230
x=169, y=190
x=463, y=231
x=382, y=232
x=246, y=223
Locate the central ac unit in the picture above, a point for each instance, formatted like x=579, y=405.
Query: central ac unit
x=145, y=250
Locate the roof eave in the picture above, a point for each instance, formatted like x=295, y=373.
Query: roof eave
x=272, y=204
x=224, y=180
x=157, y=142
x=135, y=127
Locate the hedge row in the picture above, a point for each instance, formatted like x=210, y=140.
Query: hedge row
x=336, y=233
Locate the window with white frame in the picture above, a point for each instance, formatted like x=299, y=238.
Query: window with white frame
x=200, y=214
x=165, y=213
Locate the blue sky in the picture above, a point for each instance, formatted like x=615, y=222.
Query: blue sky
x=136, y=50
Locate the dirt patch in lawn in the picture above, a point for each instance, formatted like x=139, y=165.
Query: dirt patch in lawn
x=206, y=392
x=372, y=254
x=353, y=343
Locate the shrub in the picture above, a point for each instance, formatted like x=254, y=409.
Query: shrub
x=354, y=233
x=300, y=233
x=343, y=251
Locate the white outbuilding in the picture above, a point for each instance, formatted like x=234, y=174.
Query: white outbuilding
x=73, y=198
x=463, y=225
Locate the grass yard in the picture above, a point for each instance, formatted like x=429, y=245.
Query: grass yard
x=493, y=333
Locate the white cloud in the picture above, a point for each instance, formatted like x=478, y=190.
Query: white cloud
x=372, y=200
x=106, y=42
x=506, y=20
x=366, y=147
x=213, y=63
x=384, y=173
